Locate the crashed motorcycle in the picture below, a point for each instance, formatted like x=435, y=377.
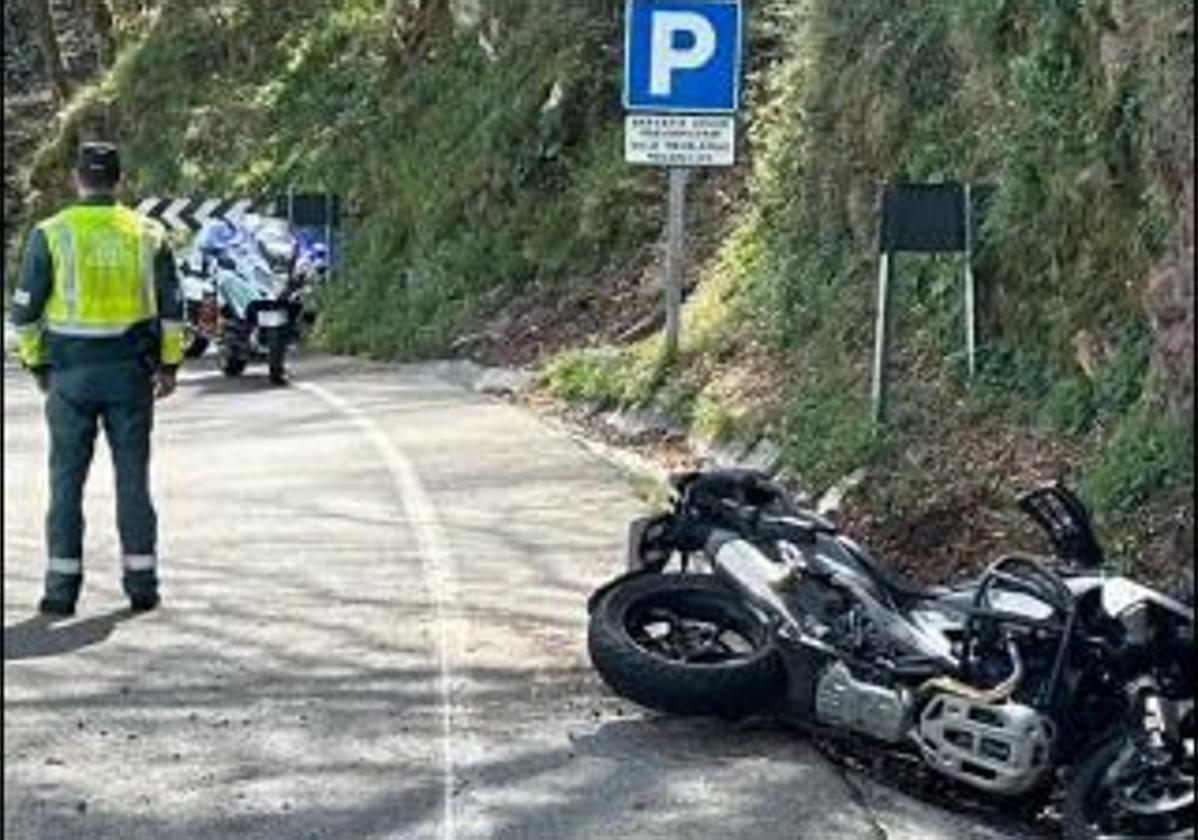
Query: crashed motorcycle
x=241, y=295
x=1043, y=669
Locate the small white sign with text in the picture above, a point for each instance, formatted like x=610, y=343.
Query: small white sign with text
x=680, y=140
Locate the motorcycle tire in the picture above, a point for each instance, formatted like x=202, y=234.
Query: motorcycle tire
x=232, y=365
x=276, y=360
x=634, y=664
x=1087, y=775
x=196, y=346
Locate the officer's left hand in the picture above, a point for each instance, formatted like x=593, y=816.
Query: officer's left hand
x=164, y=383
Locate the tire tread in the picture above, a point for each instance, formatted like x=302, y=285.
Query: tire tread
x=731, y=690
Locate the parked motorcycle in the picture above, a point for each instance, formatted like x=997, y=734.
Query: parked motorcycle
x=240, y=293
x=1038, y=670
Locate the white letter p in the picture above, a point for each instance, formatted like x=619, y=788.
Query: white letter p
x=667, y=59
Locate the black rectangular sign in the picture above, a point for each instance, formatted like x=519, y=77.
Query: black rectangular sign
x=923, y=218
x=309, y=209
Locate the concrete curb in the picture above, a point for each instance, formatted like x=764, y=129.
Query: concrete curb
x=501, y=382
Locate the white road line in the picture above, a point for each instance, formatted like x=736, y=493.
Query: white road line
x=437, y=566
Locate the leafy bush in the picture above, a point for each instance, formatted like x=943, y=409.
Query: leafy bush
x=586, y=376
x=1147, y=454
x=826, y=432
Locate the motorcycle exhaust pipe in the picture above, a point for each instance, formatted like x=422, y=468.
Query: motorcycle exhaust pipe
x=754, y=574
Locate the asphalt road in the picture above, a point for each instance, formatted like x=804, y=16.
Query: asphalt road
x=374, y=627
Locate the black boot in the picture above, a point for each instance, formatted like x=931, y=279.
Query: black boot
x=61, y=593
x=144, y=602
x=142, y=589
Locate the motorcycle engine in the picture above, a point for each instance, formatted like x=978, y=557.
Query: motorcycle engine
x=844, y=701
x=1004, y=748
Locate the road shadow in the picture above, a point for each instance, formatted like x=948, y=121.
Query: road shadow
x=252, y=382
x=891, y=797
x=40, y=636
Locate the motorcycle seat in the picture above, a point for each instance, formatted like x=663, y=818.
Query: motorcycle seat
x=799, y=527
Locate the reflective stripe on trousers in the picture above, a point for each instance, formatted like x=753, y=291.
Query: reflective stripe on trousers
x=139, y=562
x=65, y=565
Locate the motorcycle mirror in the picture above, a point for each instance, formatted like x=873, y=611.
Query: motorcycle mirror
x=1065, y=520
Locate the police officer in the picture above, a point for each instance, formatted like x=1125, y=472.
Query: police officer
x=98, y=315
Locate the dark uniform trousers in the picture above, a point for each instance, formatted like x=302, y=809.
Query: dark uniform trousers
x=119, y=396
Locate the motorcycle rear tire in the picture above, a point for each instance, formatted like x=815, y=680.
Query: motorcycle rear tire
x=729, y=689
x=232, y=365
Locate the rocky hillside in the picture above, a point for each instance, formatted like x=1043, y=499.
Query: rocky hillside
x=479, y=146
x=1080, y=115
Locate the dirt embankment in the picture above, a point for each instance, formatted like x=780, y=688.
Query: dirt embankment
x=615, y=307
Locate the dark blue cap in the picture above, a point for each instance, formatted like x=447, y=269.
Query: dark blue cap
x=100, y=160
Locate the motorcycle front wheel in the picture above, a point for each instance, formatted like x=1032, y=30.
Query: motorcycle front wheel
x=1119, y=793
x=684, y=644
x=194, y=345
x=277, y=358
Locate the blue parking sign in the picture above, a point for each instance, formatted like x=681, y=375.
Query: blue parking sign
x=683, y=56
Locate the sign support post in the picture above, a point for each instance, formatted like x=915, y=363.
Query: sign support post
x=882, y=338
x=923, y=219
x=334, y=252
x=970, y=289
x=675, y=251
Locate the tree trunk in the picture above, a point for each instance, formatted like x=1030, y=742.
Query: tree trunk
x=47, y=44
x=101, y=18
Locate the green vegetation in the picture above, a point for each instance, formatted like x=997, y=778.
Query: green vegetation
x=1145, y=456
x=483, y=161
x=1071, y=125
x=596, y=376
x=470, y=174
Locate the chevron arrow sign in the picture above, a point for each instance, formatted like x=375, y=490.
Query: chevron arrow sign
x=187, y=214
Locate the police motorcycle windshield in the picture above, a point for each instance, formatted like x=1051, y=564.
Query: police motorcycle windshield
x=274, y=241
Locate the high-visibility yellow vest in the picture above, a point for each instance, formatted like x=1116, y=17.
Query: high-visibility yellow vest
x=103, y=258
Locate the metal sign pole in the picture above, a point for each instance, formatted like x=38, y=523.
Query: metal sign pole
x=882, y=338
x=675, y=249
x=970, y=289
x=328, y=233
